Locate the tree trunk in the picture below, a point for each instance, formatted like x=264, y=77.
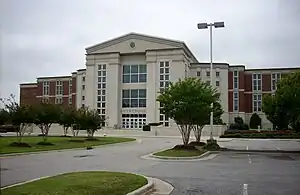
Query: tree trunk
x=185, y=131
x=66, y=130
x=198, y=131
x=46, y=131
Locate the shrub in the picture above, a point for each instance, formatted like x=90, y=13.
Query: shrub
x=154, y=124
x=212, y=146
x=44, y=143
x=184, y=147
x=146, y=128
x=89, y=147
x=255, y=121
x=20, y=144
x=238, y=120
x=197, y=143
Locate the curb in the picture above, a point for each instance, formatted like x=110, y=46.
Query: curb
x=149, y=187
x=64, y=150
x=207, y=153
x=262, y=151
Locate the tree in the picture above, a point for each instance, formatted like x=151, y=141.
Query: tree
x=88, y=120
x=67, y=118
x=188, y=103
x=45, y=115
x=283, y=109
x=255, y=121
x=20, y=116
x=4, y=116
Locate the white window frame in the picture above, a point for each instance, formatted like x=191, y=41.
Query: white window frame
x=165, y=84
x=135, y=74
x=45, y=88
x=59, y=87
x=70, y=86
x=58, y=100
x=255, y=77
x=256, y=98
x=235, y=77
x=70, y=100
x=138, y=98
x=275, y=78
x=235, y=100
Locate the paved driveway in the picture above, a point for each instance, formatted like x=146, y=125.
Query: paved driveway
x=228, y=173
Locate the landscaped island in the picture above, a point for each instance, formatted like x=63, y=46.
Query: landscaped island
x=56, y=143
x=81, y=183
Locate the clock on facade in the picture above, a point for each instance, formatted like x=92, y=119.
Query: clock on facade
x=132, y=45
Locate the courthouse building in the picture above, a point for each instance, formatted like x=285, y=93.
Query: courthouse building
x=122, y=78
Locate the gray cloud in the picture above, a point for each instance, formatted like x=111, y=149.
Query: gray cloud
x=47, y=38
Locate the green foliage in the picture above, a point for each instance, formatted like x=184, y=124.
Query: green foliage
x=88, y=120
x=255, y=121
x=188, y=103
x=46, y=114
x=285, y=105
x=4, y=117
x=19, y=116
x=239, y=124
x=218, y=111
x=146, y=128
x=67, y=118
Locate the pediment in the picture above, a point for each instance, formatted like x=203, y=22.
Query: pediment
x=136, y=43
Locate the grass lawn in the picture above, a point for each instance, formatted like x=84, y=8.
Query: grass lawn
x=59, y=143
x=81, y=183
x=180, y=153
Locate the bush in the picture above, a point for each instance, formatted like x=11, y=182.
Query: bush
x=89, y=147
x=212, y=146
x=146, y=128
x=43, y=143
x=17, y=144
x=237, y=126
x=154, y=124
x=255, y=121
x=183, y=147
x=197, y=143
x=238, y=120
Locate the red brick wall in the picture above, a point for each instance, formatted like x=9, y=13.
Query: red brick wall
x=52, y=87
x=248, y=103
x=230, y=101
x=266, y=82
x=66, y=87
x=73, y=84
x=39, y=90
x=248, y=82
x=230, y=80
x=241, y=101
x=28, y=95
x=241, y=80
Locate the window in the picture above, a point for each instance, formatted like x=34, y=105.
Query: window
x=235, y=101
x=70, y=99
x=83, y=87
x=198, y=73
x=256, y=82
x=134, y=98
x=164, y=69
x=208, y=74
x=58, y=100
x=83, y=79
x=275, y=79
x=235, y=80
x=70, y=86
x=217, y=74
x=59, y=88
x=256, y=102
x=135, y=73
x=46, y=88
x=217, y=83
x=83, y=97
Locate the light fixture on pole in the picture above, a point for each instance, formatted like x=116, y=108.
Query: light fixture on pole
x=204, y=26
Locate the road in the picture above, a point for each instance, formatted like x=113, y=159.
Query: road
x=228, y=173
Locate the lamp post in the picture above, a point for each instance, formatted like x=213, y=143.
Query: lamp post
x=204, y=26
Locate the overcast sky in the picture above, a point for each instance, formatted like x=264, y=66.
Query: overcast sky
x=48, y=37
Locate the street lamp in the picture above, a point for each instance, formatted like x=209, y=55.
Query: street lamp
x=204, y=26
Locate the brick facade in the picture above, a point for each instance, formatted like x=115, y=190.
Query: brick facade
x=28, y=93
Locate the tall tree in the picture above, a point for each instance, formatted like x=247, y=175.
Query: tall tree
x=188, y=103
x=283, y=109
x=4, y=116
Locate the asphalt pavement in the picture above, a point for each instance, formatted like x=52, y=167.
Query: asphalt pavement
x=228, y=173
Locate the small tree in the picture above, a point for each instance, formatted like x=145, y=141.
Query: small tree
x=255, y=121
x=20, y=116
x=45, y=115
x=67, y=118
x=188, y=102
x=88, y=120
